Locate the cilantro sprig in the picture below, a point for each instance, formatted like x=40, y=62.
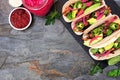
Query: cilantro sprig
x=96, y=69
x=114, y=73
x=50, y=18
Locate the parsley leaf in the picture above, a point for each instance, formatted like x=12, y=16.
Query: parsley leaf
x=96, y=69
x=50, y=18
x=114, y=73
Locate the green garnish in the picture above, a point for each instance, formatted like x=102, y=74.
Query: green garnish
x=96, y=69
x=80, y=26
x=109, y=32
x=114, y=73
x=106, y=12
x=50, y=18
x=69, y=15
x=98, y=30
x=78, y=4
x=114, y=26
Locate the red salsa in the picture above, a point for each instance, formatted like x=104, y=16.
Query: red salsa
x=20, y=18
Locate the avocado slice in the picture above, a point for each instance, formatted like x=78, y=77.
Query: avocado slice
x=86, y=43
x=74, y=14
x=109, y=46
x=89, y=9
x=92, y=21
x=101, y=50
x=75, y=11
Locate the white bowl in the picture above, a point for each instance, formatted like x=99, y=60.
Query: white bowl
x=25, y=26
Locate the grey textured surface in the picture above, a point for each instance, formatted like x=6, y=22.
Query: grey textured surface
x=42, y=52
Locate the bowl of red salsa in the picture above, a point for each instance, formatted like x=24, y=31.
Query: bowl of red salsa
x=20, y=18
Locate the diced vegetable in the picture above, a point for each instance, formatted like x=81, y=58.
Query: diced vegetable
x=114, y=26
x=75, y=5
x=69, y=15
x=80, y=26
x=74, y=13
x=92, y=20
x=94, y=51
x=101, y=50
x=106, y=12
x=78, y=4
x=109, y=32
x=115, y=45
x=98, y=30
x=114, y=60
x=83, y=6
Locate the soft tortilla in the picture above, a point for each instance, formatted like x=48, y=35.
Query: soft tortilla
x=74, y=22
x=108, y=39
x=73, y=1
x=116, y=53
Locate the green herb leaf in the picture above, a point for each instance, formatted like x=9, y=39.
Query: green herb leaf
x=50, y=18
x=96, y=69
x=114, y=73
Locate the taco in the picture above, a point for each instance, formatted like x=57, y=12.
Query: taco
x=110, y=49
x=80, y=24
x=102, y=31
x=78, y=8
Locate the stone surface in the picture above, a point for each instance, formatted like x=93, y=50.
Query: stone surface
x=42, y=52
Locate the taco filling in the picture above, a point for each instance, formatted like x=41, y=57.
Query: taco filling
x=102, y=31
x=109, y=49
x=81, y=7
x=83, y=23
